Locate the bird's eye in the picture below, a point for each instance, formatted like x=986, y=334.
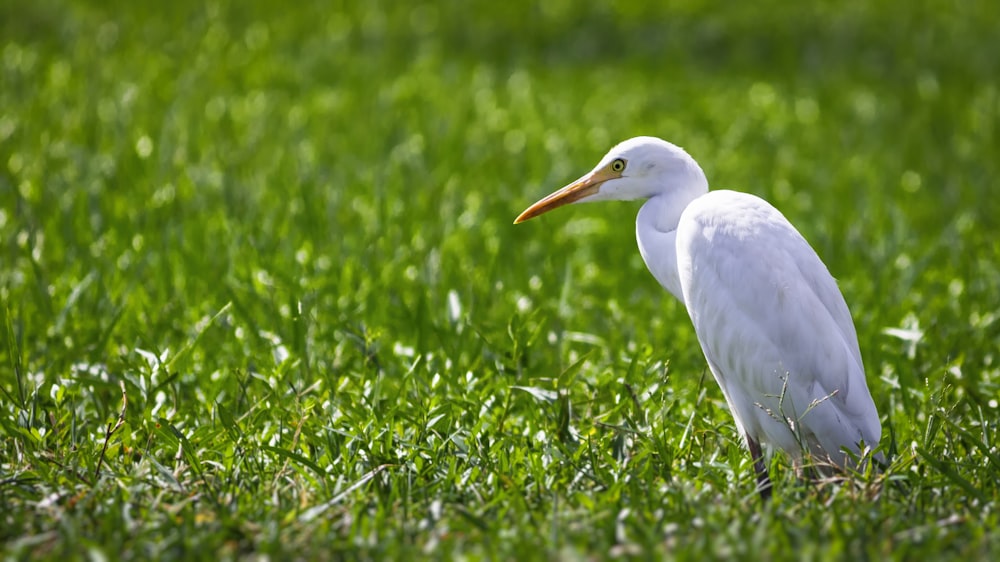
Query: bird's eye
x=617, y=165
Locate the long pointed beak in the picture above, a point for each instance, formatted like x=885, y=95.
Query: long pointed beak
x=584, y=187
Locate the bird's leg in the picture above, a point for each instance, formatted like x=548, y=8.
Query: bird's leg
x=763, y=480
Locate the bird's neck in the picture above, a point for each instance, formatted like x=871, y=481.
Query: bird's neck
x=656, y=233
x=663, y=212
x=673, y=193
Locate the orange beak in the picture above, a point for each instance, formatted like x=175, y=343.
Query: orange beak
x=583, y=187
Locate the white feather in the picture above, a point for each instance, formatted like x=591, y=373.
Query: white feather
x=774, y=327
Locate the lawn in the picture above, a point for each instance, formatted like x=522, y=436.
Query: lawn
x=262, y=296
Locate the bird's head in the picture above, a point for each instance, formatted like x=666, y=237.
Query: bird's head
x=639, y=168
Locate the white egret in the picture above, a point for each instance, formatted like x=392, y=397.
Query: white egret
x=771, y=321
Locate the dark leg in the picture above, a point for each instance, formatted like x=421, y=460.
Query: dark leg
x=763, y=480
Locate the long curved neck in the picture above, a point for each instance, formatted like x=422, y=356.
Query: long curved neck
x=656, y=233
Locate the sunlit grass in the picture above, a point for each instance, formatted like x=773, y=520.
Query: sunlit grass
x=261, y=293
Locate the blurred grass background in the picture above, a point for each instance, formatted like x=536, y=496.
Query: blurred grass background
x=286, y=230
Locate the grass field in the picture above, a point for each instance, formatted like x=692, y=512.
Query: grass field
x=262, y=297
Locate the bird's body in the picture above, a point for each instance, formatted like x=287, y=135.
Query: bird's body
x=773, y=325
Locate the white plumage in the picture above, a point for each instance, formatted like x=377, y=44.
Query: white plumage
x=772, y=323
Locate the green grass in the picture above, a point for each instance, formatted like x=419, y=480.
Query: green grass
x=262, y=297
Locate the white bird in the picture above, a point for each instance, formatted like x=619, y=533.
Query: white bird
x=773, y=325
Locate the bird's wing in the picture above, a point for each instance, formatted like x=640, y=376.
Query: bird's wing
x=774, y=327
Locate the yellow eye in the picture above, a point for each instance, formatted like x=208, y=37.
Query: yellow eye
x=617, y=165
